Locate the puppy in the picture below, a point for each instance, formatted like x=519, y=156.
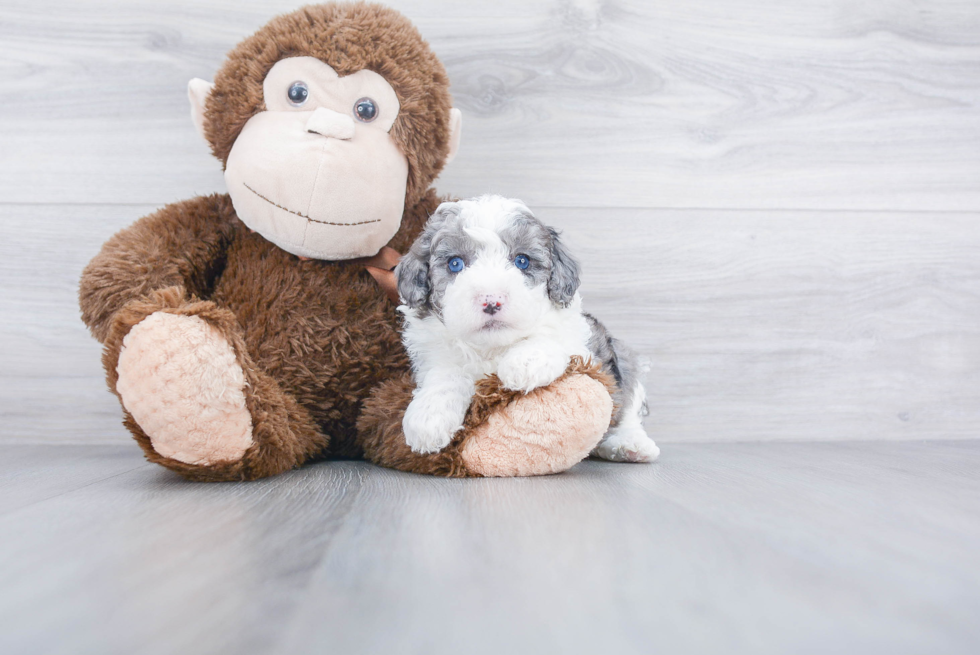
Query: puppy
x=487, y=288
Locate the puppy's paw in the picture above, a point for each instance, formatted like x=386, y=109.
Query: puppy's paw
x=627, y=444
x=526, y=369
x=427, y=427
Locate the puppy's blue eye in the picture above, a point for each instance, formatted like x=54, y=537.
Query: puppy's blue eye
x=522, y=262
x=456, y=264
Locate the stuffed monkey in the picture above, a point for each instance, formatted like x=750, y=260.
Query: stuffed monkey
x=248, y=333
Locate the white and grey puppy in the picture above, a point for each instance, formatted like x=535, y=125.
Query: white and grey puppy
x=487, y=288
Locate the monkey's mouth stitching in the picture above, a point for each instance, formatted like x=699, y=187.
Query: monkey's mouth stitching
x=274, y=204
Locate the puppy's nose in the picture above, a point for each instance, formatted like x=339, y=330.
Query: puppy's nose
x=492, y=304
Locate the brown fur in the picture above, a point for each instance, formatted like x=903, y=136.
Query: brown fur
x=180, y=245
x=383, y=442
x=313, y=337
x=284, y=434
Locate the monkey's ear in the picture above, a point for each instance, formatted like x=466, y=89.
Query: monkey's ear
x=198, y=91
x=455, y=130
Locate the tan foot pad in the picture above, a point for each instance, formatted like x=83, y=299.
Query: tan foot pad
x=547, y=431
x=180, y=380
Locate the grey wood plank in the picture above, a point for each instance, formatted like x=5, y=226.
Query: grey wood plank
x=757, y=325
x=740, y=548
x=755, y=548
x=144, y=562
x=823, y=104
x=33, y=473
x=765, y=325
x=52, y=387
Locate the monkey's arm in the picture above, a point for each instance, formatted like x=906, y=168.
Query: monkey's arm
x=182, y=245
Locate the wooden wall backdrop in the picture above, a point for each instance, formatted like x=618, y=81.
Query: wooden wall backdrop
x=778, y=203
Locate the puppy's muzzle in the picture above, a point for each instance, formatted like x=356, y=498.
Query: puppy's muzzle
x=492, y=304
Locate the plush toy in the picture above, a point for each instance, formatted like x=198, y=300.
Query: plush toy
x=248, y=333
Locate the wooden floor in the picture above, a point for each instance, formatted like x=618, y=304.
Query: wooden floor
x=864, y=547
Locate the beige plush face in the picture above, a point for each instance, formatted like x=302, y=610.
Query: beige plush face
x=317, y=173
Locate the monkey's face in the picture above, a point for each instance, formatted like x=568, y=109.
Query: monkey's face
x=317, y=172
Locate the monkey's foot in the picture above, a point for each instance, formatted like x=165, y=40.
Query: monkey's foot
x=181, y=381
x=547, y=431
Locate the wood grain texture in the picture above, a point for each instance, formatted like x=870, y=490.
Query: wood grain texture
x=762, y=325
x=52, y=388
x=736, y=548
x=757, y=325
x=31, y=474
x=752, y=104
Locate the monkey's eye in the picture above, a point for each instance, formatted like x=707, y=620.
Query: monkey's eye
x=456, y=264
x=298, y=93
x=522, y=262
x=366, y=110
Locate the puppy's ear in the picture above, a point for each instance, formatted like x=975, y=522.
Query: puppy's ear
x=413, y=270
x=413, y=277
x=564, y=281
